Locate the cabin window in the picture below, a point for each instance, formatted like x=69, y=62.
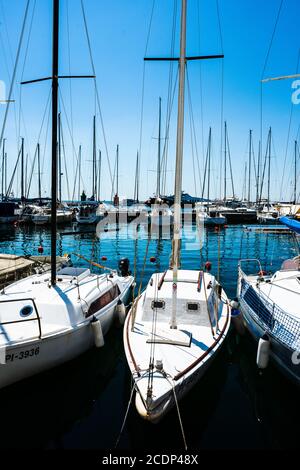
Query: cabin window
x=103, y=300
x=192, y=307
x=158, y=304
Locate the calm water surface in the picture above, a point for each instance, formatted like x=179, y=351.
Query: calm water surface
x=82, y=404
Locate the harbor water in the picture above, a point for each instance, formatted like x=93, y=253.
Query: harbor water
x=82, y=404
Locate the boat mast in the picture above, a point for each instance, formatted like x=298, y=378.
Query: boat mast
x=295, y=173
x=94, y=160
x=136, y=183
x=54, y=137
x=249, y=169
x=159, y=152
x=39, y=171
x=258, y=175
x=99, y=174
x=269, y=167
x=22, y=170
x=117, y=170
x=208, y=171
x=59, y=157
x=3, y=168
x=225, y=164
x=179, y=157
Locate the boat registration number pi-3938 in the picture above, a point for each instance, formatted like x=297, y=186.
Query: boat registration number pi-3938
x=22, y=355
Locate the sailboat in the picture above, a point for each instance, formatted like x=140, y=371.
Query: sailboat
x=160, y=214
x=177, y=325
x=268, y=214
x=270, y=306
x=89, y=211
x=204, y=214
x=50, y=318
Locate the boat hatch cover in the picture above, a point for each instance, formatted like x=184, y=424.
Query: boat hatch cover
x=71, y=273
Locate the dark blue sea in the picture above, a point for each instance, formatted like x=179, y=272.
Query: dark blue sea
x=82, y=404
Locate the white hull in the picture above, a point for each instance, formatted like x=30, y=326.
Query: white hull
x=183, y=364
x=262, y=314
x=52, y=344
x=46, y=219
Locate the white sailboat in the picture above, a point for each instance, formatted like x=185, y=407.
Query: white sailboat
x=89, y=213
x=43, y=215
x=50, y=318
x=204, y=214
x=176, y=326
x=271, y=311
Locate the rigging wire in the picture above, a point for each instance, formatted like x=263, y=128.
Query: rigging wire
x=169, y=101
x=264, y=69
x=222, y=93
x=288, y=135
x=6, y=61
x=193, y=135
x=96, y=89
x=143, y=82
x=70, y=81
x=65, y=162
x=14, y=72
x=39, y=136
x=201, y=87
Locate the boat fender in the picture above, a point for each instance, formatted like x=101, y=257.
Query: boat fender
x=263, y=352
x=120, y=313
x=98, y=333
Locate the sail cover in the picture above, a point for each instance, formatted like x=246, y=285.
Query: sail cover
x=292, y=224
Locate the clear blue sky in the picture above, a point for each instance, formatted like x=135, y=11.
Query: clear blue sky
x=118, y=31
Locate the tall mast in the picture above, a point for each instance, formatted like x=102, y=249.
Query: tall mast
x=99, y=175
x=295, y=173
x=225, y=164
x=3, y=168
x=179, y=157
x=117, y=170
x=54, y=137
x=159, y=152
x=5, y=174
x=59, y=157
x=26, y=176
x=39, y=171
x=269, y=167
x=136, y=183
x=208, y=171
x=249, y=169
x=258, y=175
x=94, y=159
x=22, y=169
x=79, y=172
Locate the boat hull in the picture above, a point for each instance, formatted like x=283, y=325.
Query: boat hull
x=182, y=355
x=181, y=390
x=281, y=355
x=25, y=359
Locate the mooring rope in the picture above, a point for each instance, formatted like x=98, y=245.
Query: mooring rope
x=125, y=417
x=179, y=415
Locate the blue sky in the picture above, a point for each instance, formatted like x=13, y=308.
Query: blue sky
x=118, y=32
